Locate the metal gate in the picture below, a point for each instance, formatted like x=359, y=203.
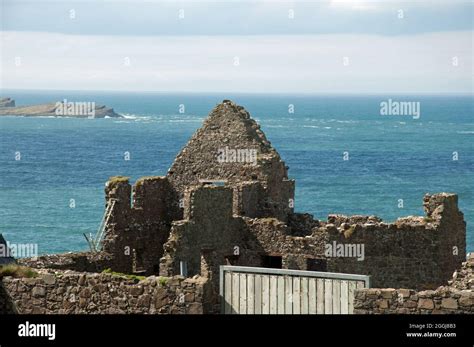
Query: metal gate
x=251, y=290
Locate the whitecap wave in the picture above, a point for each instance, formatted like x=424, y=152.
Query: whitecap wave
x=348, y=121
x=184, y=121
x=130, y=116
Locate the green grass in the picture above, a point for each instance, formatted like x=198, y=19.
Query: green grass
x=17, y=271
x=162, y=281
x=118, y=179
x=127, y=276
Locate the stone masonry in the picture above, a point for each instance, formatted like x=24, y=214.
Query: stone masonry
x=67, y=292
x=457, y=297
x=227, y=199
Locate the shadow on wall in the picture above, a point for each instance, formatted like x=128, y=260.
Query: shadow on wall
x=6, y=303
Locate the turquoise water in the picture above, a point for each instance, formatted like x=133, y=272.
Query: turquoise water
x=390, y=157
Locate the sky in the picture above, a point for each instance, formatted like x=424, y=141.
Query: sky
x=327, y=46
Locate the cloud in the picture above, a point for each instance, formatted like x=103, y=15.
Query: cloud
x=356, y=4
x=151, y=18
x=267, y=63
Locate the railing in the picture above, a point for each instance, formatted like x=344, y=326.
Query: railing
x=250, y=290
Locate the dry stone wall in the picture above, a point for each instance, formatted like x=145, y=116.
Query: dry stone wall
x=68, y=292
x=457, y=297
x=229, y=128
x=140, y=222
x=77, y=261
x=413, y=252
x=220, y=234
x=406, y=301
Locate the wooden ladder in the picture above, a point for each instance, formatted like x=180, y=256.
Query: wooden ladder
x=95, y=243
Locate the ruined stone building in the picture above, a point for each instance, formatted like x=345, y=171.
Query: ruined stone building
x=227, y=199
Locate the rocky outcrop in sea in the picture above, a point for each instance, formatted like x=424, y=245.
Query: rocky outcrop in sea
x=63, y=108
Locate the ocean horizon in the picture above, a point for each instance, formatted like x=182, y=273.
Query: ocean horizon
x=345, y=156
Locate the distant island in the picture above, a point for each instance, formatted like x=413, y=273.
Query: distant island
x=63, y=108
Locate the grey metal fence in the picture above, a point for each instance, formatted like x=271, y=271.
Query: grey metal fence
x=251, y=290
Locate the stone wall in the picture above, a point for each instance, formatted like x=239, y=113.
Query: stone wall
x=406, y=301
x=140, y=222
x=278, y=239
x=413, y=252
x=456, y=297
x=77, y=261
x=252, y=199
x=181, y=216
x=230, y=126
x=67, y=292
x=232, y=239
x=219, y=234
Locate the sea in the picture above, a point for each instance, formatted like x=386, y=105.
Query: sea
x=345, y=156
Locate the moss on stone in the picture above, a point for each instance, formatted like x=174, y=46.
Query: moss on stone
x=123, y=275
x=141, y=180
x=114, y=181
x=162, y=280
x=17, y=271
x=118, y=179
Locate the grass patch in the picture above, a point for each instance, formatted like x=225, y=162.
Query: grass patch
x=118, y=179
x=17, y=271
x=162, y=281
x=120, y=274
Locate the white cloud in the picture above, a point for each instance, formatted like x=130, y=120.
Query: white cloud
x=355, y=4
x=391, y=4
x=313, y=63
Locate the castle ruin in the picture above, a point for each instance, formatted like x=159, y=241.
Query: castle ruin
x=208, y=212
x=241, y=213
